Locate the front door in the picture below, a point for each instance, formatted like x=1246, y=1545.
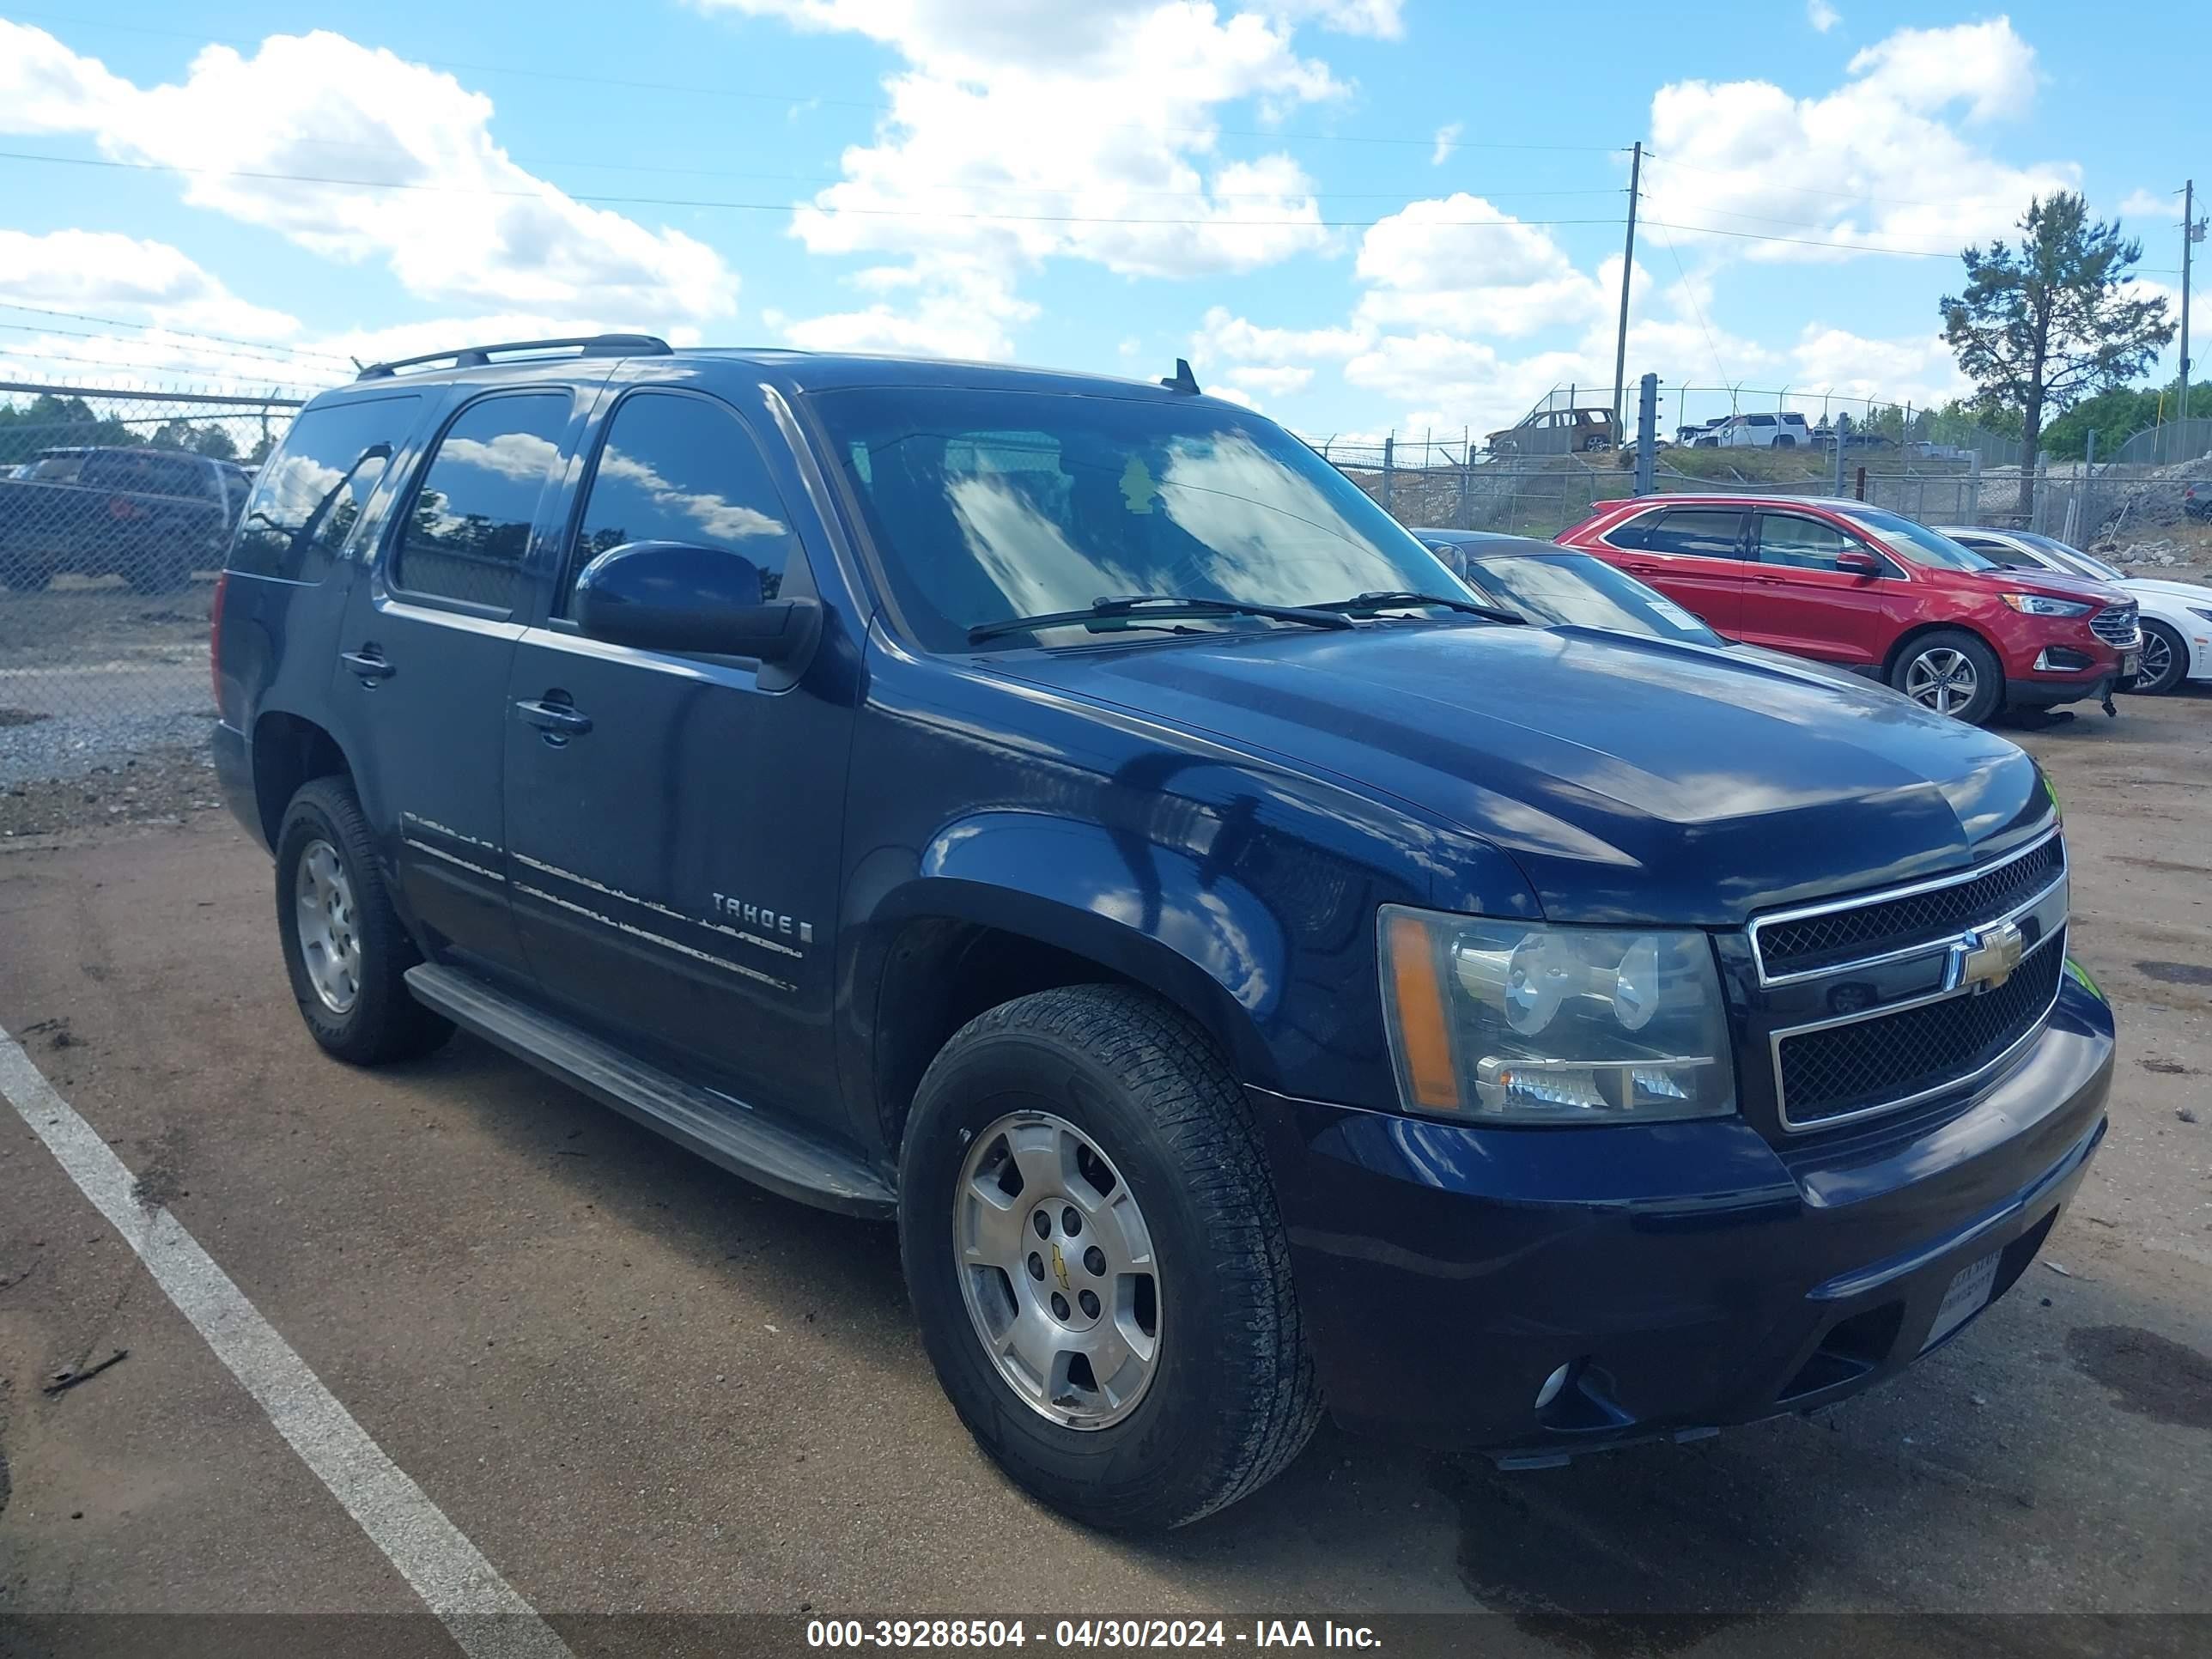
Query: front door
x=1797, y=600
x=673, y=830
x=421, y=684
x=1694, y=556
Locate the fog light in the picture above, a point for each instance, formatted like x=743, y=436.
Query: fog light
x=2058, y=660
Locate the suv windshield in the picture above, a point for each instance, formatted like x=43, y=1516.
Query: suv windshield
x=1915, y=542
x=1582, y=591
x=986, y=506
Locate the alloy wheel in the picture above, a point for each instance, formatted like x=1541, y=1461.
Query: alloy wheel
x=1057, y=1270
x=2157, y=661
x=1942, y=679
x=323, y=913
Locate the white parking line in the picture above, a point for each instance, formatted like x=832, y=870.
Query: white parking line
x=476, y=1605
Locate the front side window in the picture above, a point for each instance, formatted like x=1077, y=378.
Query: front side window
x=469, y=527
x=1914, y=543
x=1802, y=544
x=312, y=492
x=986, y=505
x=682, y=469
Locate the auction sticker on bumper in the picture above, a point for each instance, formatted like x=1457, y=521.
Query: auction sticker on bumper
x=1969, y=1289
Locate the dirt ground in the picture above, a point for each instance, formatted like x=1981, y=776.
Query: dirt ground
x=638, y=1385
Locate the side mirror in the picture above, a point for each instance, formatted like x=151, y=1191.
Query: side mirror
x=700, y=601
x=1857, y=561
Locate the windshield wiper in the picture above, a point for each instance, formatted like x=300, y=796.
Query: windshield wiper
x=1139, y=606
x=1366, y=605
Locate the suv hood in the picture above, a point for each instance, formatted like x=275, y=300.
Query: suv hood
x=1631, y=779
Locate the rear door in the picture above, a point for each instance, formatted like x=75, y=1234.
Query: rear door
x=1694, y=554
x=1797, y=600
x=420, y=684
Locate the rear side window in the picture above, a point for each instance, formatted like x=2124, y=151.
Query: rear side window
x=312, y=493
x=469, y=527
x=1702, y=533
x=682, y=468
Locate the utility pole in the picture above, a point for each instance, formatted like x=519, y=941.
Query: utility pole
x=2192, y=231
x=1627, y=267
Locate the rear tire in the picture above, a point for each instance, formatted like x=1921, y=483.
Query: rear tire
x=1952, y=672
x=344, y=947
x=1124, y=1105
x=2160, y=676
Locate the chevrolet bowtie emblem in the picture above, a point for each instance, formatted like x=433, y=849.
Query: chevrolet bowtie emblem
x=1058, y=1268
x=1985, y=958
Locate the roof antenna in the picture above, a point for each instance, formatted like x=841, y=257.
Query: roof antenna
x=1184, y=380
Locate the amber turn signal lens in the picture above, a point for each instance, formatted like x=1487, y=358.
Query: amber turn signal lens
x=1422, y=1031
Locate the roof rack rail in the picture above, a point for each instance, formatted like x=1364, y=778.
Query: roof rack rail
x=588, y=345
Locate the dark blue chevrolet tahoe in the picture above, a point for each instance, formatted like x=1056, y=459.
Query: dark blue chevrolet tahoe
x=1068, y=817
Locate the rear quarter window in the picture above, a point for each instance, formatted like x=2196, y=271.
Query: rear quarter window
x=311, y=496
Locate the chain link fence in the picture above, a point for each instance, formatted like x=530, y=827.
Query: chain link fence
x=116, y=509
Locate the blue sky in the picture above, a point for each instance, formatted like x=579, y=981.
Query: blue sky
x=1355, y=213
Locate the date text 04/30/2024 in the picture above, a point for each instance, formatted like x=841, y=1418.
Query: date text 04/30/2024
x=988, y=1633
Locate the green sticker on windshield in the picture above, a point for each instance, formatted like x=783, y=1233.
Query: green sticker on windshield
x=1137, y=486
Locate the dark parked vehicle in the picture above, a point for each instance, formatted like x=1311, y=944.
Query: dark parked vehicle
x=1559, y=587
x=151, y=516
x=1065, y=817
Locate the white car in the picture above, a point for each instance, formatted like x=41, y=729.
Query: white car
x=1758, y=432
x=2177, y=617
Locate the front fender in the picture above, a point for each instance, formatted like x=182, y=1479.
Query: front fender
x=1159, y=915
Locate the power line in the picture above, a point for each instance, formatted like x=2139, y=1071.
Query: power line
x=253, y=347
x=596, y=200
x=771, y=207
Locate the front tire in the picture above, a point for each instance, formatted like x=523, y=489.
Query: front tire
x=345, y=948
x=1091, y=1239
x=2165, y=660
x=1952, y=672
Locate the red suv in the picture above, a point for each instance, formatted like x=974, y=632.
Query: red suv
x=1868, y=589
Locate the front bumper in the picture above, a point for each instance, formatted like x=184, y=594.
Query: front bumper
x=2049, y=694
x=1686, y=1276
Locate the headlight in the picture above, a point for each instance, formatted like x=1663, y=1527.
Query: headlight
x=2199, y=611
x=1519, y=1023
x=2036, y=605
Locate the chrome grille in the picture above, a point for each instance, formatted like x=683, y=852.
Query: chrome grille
x=1832, y=936
x=1887, y=1060
x=2116, y=625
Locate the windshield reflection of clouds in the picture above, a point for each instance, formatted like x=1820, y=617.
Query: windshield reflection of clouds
x=1224, y=519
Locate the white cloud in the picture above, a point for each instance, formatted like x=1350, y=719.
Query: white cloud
x=1018, y=134
x=1919, y=369
x=1279, y=382
x=1459, y=264
x=438, y=200
x=1447, y=140
x=1877, y=162
x=961, y=310
x=1821, y=15
x=2163, y=208
x=104, y=270
x=1226, y=334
